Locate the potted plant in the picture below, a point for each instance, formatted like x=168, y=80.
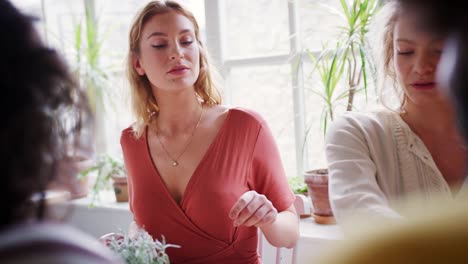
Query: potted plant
x=344, y=69
x=107, y=168
x=297, y=185
x=77, y=149
x=67, y=180
x=138, y=248
x=317, y=187
x=299, y=188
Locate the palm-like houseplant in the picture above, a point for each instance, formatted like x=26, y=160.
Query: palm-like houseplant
x=88, y=70
x=348, y=64
x=95, y=66
x=344, y=68
x=87, y=57
x=87, y=64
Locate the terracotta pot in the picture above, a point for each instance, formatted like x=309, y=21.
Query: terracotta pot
x=317, y=185
x=120, y=188
x=67, y=176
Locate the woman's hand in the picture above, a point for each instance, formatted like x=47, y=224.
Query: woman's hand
x=253, y=209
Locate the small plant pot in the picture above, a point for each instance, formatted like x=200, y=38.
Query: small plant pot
x=67, y=176
x=120, y=188
x=317, y=185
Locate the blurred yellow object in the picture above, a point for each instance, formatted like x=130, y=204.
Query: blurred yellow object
x=438, y=235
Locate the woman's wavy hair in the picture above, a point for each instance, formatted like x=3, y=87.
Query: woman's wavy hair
x=43, y=115
x=144, y=104
x=383, y=29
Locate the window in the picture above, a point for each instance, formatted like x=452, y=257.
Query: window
x=253, y=44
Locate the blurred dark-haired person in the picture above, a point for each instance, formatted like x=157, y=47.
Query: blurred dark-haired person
x=44, y=113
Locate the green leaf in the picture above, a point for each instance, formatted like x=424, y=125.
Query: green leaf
x=297, y=184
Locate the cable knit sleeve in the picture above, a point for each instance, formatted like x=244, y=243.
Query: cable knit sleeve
x=353, y=185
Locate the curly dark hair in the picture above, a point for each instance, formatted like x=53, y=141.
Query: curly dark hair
x=44, y=114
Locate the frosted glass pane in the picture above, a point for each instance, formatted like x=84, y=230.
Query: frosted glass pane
x=114, y=20
x=318, y=24
x=315, y=105
x=267, y=90
x=256, y=28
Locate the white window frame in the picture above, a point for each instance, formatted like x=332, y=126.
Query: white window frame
x=215, y=29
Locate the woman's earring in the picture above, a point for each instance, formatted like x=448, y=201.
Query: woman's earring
x=151, y=113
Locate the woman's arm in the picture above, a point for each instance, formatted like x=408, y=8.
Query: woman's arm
x=354, y=190
x=284, y=231
x=269, y=204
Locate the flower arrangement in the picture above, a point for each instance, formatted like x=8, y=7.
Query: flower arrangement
x=139, y=248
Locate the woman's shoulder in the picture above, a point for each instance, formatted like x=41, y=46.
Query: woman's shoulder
x=46, y=231
x=60, y=241
x=128, y=131
x=129, y=134
x=366, y=124
x=367, y=119
x=247, y=116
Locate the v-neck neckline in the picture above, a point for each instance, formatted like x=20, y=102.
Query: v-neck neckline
x=194, y=176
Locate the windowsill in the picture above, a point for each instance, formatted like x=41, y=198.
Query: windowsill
x=309, y=229
x=105, y=201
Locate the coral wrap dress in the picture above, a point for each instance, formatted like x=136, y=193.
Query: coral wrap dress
x=242, y=157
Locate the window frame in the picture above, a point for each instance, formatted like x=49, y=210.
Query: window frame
x=216, y=45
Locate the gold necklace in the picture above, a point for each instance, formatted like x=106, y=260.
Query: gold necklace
x=175, y=162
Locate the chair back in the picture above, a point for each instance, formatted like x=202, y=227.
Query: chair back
x=271, y=254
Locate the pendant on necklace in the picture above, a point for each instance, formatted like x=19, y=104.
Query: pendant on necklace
x=175, y=163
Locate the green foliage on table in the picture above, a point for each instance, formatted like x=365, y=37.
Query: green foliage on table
x=297, y=185
x=141, y=249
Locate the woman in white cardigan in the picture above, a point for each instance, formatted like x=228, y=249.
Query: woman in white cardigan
x=377, y=160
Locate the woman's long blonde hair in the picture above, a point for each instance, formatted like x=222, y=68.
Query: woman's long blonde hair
x=143, y=102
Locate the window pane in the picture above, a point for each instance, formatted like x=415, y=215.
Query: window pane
x=315, y=106
x=267, y=90
x=314, y=109
x=31, y=7
x=318, y=23
x=116, y=17
x=256, y=28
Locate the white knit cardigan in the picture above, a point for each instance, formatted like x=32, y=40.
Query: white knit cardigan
x=375, y=161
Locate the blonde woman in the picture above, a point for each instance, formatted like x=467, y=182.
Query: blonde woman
x=203, y=175
x=378, y=160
